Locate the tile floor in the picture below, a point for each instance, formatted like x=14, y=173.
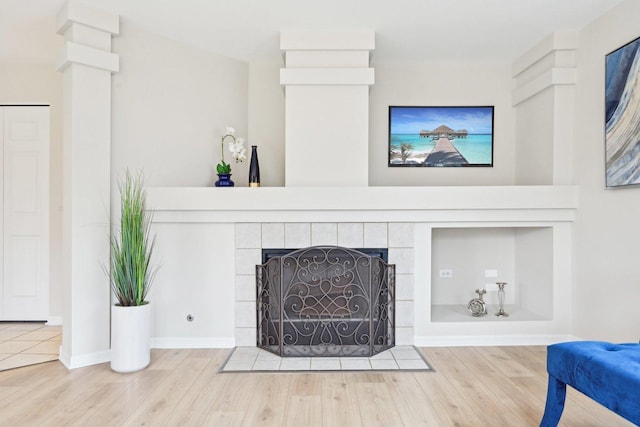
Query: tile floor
x=26, y=343
x=403, y=357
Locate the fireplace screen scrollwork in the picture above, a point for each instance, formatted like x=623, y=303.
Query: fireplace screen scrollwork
x=326, y=301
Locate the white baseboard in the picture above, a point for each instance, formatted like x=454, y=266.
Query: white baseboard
x=490, y=340
x=195, y=342
x=79, y=361
x=54, y=321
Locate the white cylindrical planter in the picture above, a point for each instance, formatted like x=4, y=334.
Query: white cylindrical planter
x=130, y=337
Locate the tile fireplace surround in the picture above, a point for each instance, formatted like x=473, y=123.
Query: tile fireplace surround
x=212, y=240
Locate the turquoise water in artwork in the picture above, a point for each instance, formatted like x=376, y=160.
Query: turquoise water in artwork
x=477, y=149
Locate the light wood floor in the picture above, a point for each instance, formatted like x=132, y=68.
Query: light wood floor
x=472, y=386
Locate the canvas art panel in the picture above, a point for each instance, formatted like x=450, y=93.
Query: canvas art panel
x=440, y=136
x=622, y=115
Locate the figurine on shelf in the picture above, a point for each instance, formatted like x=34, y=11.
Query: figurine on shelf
x=477, y=306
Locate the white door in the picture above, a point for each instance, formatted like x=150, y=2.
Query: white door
x=25, y=225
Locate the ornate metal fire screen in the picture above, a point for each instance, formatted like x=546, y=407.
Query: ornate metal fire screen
x=326, y=301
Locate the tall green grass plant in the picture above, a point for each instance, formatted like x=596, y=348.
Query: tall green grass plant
x=131, y=246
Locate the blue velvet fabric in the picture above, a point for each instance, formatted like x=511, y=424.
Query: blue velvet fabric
x=607, y=373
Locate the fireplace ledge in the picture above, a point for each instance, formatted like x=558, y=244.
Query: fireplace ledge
x=477, y=203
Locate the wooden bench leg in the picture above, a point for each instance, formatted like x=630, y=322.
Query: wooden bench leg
x=556, y=393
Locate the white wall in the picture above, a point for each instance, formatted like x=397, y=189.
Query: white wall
x=438, y=84
x=606, y=251
x=266, y=120
x=35, y=83
x=171, y=104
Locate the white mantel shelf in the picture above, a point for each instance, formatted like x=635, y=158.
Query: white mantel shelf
x=346, y=204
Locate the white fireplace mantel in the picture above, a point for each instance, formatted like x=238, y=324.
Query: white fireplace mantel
x=290, y=204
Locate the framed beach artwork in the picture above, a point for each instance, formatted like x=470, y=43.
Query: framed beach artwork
x=440, y=136
x=622, y=115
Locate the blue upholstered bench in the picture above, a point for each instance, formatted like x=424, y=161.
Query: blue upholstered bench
x=607, y=373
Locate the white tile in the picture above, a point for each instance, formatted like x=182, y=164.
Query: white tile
x=240, y=365
x=324, y=234
x=273, y=235
x=245, y=314
x=404, y=313
x=297, y=235
x=265, y=355
x=384, y=364
x=295, y=364
x=385, y=355
x=401, y=234
x=403, y=347
x=405, y=287
x=351, y=234
x=403, y=258
x=267, y=365
x=404, y=335
x=355, y=364
x=325, y=364
x=246, y=287
x=412, y=364
x=18, y=360
x=246, y=351
x=247, y=259
x=375, y=235
x=405, y=354
x=248, y=236
x=245, y=336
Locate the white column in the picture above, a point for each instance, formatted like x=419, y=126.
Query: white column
x=327, y=79
x=87, y=64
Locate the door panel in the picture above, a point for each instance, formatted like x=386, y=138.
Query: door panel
x=25, y=164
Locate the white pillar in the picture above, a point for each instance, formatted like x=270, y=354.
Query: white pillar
x=87, y=63
x=327, y=79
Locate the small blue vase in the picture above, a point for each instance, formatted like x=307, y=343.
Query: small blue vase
x=224, y=180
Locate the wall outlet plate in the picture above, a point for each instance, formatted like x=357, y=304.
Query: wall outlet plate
x=446, y=274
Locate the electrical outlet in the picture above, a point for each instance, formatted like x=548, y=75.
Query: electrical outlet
x=491, y=273
x=491, y=287
x=446, y=274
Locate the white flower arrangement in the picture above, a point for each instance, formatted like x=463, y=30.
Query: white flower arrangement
x=236, y=146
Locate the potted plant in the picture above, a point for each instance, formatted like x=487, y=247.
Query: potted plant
x=131, y=275
x=239, y=153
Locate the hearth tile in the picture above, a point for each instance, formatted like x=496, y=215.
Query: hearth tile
x=375, y=235
x=324, y=234
x=295, y=364
x=325, y=364
x=246, y=287
x=403, y=259
x=246, y=260
x=248, y=235
x=405, y=287
x=404, y=313
x=406, y=354
x=267, y=365
x=385, y=355
x=239, y=365
x=351, y=235
x=297, y=235
x=412, y=364
x=273, y=235
x=384, y=364
x=246, y=351
x=265, y=355
x=401, y=234
x=355, y=363
x=245, y=314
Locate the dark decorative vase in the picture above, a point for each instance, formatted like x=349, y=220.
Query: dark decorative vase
x=254, y=168
x=224, y=180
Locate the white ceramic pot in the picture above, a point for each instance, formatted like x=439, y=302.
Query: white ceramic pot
x=130, y=337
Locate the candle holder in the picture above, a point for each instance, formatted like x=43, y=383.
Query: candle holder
x=501, y=312
x=477, y=306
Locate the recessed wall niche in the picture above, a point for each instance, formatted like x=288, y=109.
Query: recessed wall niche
x=465, y=259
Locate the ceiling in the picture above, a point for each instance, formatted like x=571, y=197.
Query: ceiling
x=406, y=30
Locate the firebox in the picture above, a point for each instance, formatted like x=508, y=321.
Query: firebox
x=326, y=301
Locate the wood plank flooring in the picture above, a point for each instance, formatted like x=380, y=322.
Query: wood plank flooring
x=489, y=386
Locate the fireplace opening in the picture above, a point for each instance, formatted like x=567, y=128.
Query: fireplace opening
x=325, y=301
